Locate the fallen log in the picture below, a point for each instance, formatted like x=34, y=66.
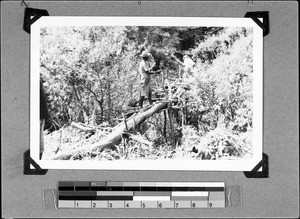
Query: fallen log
x=82, y=128
x=90, y=129
x=116, y=135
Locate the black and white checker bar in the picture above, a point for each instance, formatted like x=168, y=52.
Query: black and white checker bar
x=103, y=194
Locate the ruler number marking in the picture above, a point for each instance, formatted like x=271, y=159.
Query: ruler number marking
x=144, y=204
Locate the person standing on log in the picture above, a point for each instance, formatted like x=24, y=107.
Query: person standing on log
x=145, y=71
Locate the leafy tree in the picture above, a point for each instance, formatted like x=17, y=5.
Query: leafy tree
x=91, y=73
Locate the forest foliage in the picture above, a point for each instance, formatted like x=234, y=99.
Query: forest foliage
x=90, y=76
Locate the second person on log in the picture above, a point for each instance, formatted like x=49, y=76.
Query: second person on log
x=145, y=71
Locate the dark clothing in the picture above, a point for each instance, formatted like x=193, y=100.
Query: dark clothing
x=44, y=114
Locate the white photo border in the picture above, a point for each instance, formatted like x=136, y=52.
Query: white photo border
x=200, y=165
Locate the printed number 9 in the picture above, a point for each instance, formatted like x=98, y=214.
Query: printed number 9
x=193, y=205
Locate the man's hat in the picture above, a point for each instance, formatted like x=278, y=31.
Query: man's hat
x=145, y=54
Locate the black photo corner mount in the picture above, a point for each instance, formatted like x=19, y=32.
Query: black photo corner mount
x=255, y=15
x=29, y=161
x=264, y=164
x=31, y=15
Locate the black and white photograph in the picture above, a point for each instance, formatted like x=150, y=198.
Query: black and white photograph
x=146, y=93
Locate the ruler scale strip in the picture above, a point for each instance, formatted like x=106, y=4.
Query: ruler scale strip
x=103, y=194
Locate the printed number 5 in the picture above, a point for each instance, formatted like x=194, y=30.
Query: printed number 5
x=143, y=205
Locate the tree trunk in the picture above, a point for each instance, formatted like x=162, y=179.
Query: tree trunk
x=108, y=102
x=116, y=135
x=182, y=117
x=171, y=126
x=101, y=110
x=165, y=125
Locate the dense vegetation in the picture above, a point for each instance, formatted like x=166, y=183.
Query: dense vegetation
x=90, y=76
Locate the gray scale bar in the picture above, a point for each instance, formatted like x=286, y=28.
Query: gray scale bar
x=189, y=198
x=114, y=193
x=145, y=193
x=98, y=184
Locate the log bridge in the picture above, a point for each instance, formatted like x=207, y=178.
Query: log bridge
x=129, y=124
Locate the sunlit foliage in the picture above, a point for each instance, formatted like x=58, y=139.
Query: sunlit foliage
x=91, y=73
